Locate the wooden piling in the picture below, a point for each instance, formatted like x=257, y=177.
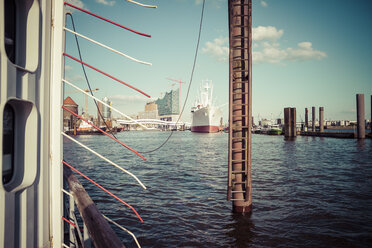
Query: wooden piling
x=321, y=119
x=306, y=119
x=99, y=230
x=313, y=119
x=293, y=122
x=361, y=128
x=287, y=122
x=240, y=100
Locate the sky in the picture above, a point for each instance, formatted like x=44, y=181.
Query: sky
x=305, y=53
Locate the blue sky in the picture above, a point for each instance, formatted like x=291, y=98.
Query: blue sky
x=305, y=53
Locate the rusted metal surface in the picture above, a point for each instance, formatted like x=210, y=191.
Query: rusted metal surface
x=99, y=230
x=321, y=119
x=240, y=101
x=361, y=128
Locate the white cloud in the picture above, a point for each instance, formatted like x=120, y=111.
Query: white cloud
x=266, y=48
x=218, y=49
x=77, y=3
x=106, y=2
x=263, y=3
x=266, y=33
x=305, y=51
x=272, y=53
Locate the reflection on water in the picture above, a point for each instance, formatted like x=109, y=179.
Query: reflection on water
x=307, y=192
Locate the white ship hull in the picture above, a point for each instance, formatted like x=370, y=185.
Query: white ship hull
x=206, y=120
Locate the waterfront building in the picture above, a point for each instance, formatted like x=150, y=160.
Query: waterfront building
x=168, y=106
x=68, y=118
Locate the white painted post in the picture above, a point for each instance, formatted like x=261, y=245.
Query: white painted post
x=56, y=146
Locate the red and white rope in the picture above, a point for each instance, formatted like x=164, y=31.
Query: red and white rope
x=106, y=74
x=107, y=47
x=106, y=20
x=107, y=105
x=99, y=186
x=104, y=158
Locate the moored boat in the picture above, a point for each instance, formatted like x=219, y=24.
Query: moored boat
x=206, y=118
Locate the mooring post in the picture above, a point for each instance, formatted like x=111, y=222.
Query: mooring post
x=240, y=101
x=293, y=122
x=287, y=122
x=306, y=119
x=321, y=119
x=361, y=128
x=313, y=119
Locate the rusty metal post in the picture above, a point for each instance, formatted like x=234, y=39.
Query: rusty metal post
x=287, y=122
x=313, y=119
x=306, y=119
x=293, y=122
x=361, y=128
x=321, y=119
x=240, y=111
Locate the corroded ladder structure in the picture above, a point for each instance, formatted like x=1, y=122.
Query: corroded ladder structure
x=240, y=105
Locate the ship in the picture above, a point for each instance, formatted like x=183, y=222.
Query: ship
x=206, y=118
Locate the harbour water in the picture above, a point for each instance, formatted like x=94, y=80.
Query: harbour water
x=307, y=192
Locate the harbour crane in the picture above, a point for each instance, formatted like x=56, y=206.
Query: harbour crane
x=179, y=99
x=86, y=99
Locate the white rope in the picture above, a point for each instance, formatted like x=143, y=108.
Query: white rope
x=95, y=98
x=143, y=5
x=107, y=47
x=67, y=193
x=63, y=244
x=123, y=228
x=107, y=160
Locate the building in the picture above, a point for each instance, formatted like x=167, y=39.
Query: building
x=69, y=119
x=151, y=111
x=168, y=106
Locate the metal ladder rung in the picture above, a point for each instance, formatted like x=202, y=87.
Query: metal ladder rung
x=240, y=70
x=242, y=93
x=241, y=160
x=233, y=199
x=238, y=149
x=239, y=48
x=243, y=182
x=240, y=59
x=234, y=138
x=238, y=191
x=239, y=37
x=237, y=172
x=241, y=127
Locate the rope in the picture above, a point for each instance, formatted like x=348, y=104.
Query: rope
x=191, y=77
x=122, y=228
x=106, y=74
x=107, y=20
x=143, y=5
x=104, y=158
x=107, y=47
x=96, y=99
x=99, y=186
x=86, y=76
x=108, y=135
